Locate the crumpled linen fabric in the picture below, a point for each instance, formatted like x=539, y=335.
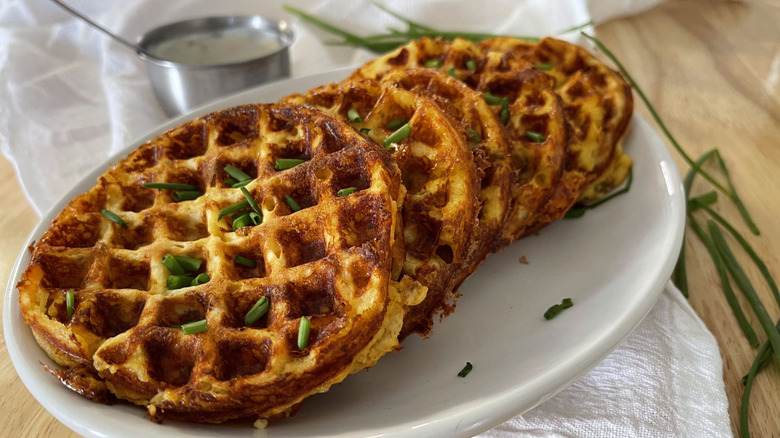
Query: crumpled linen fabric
x=70, y=98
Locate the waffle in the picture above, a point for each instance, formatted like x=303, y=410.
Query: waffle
x=329, y=261
x=441, y=206
x=532, y=106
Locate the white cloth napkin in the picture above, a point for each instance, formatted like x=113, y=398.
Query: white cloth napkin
x=70, y=98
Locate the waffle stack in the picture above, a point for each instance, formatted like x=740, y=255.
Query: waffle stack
x=254, y=256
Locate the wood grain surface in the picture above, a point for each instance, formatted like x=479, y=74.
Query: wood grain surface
x=712, y=70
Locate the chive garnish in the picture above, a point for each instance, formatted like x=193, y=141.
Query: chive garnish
x=287, y=163
x=232, y=209
x=554, y=310
x=237, y=173
x=255, y=218
x=400, y=134
x=230, y=182
x=171, y=186
x=173, y=265
x=474, y=136
x=365, y=130
x=544, y=67
x=433, y=63
x=189, y=263
x=535, y=136
x=466, y=370
x=200, y=279
x=186, y=195
x=251, y=200
x=303, y=333
x=492, y=99
x=245, y=261
x=257, y=311
x=113, y=217
x=579, y=209
x=471, y=65
x=241, y=183
x=241, y=221
x=504, y=112
x=70, y=302
x=194, y=327
x=354, y=116
x=294, y=206
x=178, y=281
x=346, y=191
x=395, y=124
x=451, y=71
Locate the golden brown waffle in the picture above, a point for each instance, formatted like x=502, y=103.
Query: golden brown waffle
x=531, y=105
x=438, y=170
x=330, y=262
x=598, y=104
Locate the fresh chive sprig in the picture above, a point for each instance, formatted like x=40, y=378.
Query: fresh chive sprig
x=193, y=327
x=303, y=333
x=113, y=217
x=399, y=134
x=257, y=311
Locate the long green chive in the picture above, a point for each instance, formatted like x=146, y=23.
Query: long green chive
x=579, y=209
x=230, y=182
x=189, y=264
x=535, y=136
x=249, y=263
x=241, y=183
x=303, y=333
x=575, y=28
x=171, y=186
x=294, y=206
x=173, y=265
x=287, y=163
x=354, y=116
x=237, y=173
x=70, y=302
x=178, y=281
x=194, y=327
x=113, y=217
x=554, y=310
x=232, y=209
x=471, y=65
x=433, y=63
x=395, y=124
x=473, y=136
x=466, y=370
x=251, y=200
x=186, y=195
x=346, y=191
x=241, y=221
x=257, y=311
x=544, y=67
x=763, y=357
x=400, y=134
x=202, y=278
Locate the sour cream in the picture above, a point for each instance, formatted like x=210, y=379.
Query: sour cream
x=217, y=47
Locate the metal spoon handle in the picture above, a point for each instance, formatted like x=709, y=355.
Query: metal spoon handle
x=116, y=37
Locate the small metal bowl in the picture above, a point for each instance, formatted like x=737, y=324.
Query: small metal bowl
x=203, y=59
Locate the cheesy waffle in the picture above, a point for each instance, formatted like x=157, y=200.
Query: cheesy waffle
x=98, y=293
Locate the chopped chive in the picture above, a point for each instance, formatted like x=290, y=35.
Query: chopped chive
x=200, y=279
x=287, y=163
x=554, y=310
x=230, y=182
x=492, y=99
x=504, y=112
x=241, y=184
x=544, y=67
x=173, y=265
x=170, y=186
x=292, y=203
x=189, y=264
x=251, y=200
x=303, y=333
x=241, y=221
x=255, y=218
x=178, y=281
x=186, y=195
x=400, y=134
x=365, y=130
x=471, y=65
x=466, y=370
x=194, y=327
x=113, y=217
x=433, y=63
x=245, y=261
x=575, y=212
x=474, y=136
x=354, y=116
x=535, y=136
x=70, y=302
x=346, y=191
x=237, y=173
x=232, y=209
x=395, y=124
x=257, y=311
x=451, y=72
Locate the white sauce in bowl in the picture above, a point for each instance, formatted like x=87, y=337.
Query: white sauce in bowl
x=217, y=47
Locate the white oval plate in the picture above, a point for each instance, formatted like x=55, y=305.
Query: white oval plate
x=613, y=263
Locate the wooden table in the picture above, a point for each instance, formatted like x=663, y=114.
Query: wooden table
x=712, y=69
